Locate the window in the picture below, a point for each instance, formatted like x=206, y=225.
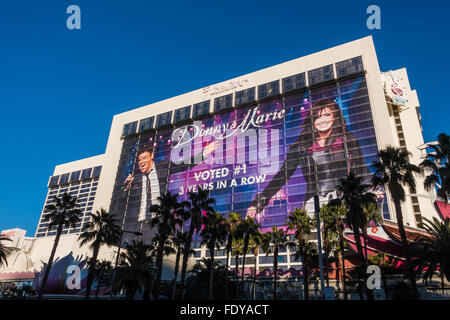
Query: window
x=86, y=173
x=75, y=176
x=295, y=82
x=182, y=114
x=164, y=119
x=64, y=178
x=244, y=96
x=53, y=181
x=97, y=171
x=224, y=102
x=349, y=66
x=201, y=109
x=320, y=74
x=129, y=129
x=268, y=89
x=146, y=124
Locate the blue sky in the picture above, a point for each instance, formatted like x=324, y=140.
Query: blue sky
x=60, y=88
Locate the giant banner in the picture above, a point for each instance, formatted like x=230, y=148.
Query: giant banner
x=261, y=160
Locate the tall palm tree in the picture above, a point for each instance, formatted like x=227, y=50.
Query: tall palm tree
x=199, y=203
x=254, y=244
x=248, y=228
x=64, y=212
x=330, y=236
x=168, y=215
x=333, y=216
x=4, y=251
x=136, y=269
x=355, y=196
x=433, y=252
x=237, y=246
x=214, y=235
x=179, y=239
x=102, y=229
x=102, y=268
x=394, y=170
x=302, y=224
x=272, y=242
x=437, y=162
x=232, y=222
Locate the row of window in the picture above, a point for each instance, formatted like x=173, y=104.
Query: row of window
x=298, y=81
x=74, y=176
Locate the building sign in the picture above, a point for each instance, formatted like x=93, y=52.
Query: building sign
x=260, y=161
x=395, y=87
x=222, y=88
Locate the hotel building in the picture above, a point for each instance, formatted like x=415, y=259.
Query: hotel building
x=281, y=104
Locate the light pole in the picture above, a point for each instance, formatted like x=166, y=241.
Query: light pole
x=117, y=257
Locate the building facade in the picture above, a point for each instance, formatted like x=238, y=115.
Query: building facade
x=263, y=144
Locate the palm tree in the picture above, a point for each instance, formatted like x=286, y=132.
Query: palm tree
x=168, y=215
x=302, y=224
x=254, y=245
x=394, y=170
x=354, y=195
x=179, y=239
x=333, y=216
x=214, y=235
x=232, y=222
x=437, y=162
x=272, y=242
x=433, y=252
x=197, y=285
x=248, y=228
x=237, y=246
x=371, y=214
x=381, y=260
x=102, y=267
x=64, y=212
x=136, y=269
x=199, y=203
x=4, y=251
x=102, y=229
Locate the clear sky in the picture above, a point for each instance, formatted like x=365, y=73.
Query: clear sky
x=60, y=88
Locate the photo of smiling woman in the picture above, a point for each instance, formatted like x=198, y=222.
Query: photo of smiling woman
x=323, y=144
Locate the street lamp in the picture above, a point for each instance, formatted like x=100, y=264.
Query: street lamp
x=118, y=254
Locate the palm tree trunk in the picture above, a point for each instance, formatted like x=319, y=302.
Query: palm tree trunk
x=237, y=270
x=50, y=261
x=91, y=273
x=187, y=249
x=159, y=266
x=359, y=248
x=365, y=247
x=246, y=240
x=227, y=272
x=211, y=272
x=177, y=262
x=326, y=257
x=305, y=275
x=401, y=230
x=342, y=256
x=255, y=253
x=98, y=284
x=275, y=268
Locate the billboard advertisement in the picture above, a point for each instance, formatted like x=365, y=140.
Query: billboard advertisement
x=262, y=160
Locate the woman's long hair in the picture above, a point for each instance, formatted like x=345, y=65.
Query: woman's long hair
x=309, y=134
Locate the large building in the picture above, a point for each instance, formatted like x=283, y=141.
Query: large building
x=263, y=143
